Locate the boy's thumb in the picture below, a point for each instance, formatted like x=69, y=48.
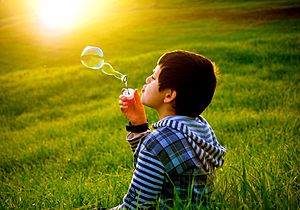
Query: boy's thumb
x=137, y=97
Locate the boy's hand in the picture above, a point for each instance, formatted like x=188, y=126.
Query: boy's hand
x=133, y=109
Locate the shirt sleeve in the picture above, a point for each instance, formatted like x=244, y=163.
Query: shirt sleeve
x=147, y=182
x=135, y=140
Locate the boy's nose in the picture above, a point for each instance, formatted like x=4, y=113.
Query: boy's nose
x=147, y=80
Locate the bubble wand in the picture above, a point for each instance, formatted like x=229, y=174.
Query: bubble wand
x=93, y=58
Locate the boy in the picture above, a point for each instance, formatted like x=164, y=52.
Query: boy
x=179, y=157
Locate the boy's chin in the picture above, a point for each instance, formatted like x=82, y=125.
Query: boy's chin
x=144, y=102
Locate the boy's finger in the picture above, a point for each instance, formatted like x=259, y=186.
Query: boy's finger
x=123, y=103
x=123, y=98
x=137, y=97
x=122, y=107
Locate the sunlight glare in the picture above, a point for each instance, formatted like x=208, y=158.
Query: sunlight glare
x=59, y=14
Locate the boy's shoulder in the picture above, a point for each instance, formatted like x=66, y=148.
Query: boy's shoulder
x=161, y=138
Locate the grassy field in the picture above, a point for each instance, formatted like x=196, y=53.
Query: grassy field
x=62, y=136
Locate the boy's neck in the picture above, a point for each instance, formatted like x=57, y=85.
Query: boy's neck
x=165, y=113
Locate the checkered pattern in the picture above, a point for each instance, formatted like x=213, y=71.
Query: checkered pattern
x=172, y=149
x=174, y=159
x=209, y=151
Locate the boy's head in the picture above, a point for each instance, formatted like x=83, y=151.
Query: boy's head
x=192, y=76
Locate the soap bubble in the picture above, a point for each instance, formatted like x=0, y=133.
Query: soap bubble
x=92, y=57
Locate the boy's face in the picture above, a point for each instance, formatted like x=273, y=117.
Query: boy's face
x=151, y=96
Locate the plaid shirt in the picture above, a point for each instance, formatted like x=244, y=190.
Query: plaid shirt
x=173, y=159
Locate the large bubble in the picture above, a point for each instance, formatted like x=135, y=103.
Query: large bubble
x=92, y=57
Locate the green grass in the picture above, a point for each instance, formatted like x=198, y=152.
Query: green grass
x=62, y=139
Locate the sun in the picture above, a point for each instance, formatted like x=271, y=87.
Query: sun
x=59, y=14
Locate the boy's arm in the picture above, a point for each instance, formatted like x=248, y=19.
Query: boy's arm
x=135, y=138
x=146, y=184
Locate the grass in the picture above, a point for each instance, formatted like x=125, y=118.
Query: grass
x=62, y=134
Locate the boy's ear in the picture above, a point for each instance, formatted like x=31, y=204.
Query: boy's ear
x=170, y=96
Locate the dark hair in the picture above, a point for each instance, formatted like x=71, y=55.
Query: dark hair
x=192, y=76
